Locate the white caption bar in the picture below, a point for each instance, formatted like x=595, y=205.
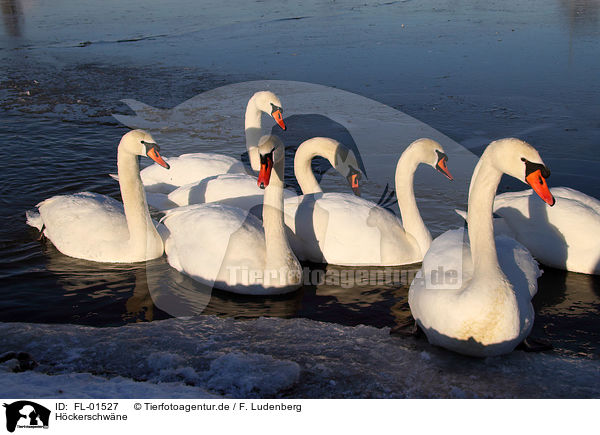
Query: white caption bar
x=302, y=416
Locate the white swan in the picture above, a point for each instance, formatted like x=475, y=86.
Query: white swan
x=190, y=168
x=341, y=158
x=476, y=299
x=98, y=228
x=242, y=190
x=343, y=229
x=228, y=248
x=564, y=236
x=237, y=190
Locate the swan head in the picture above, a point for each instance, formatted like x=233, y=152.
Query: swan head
x=432, y=153
x=347, y=164
x=141, y=143
x=271, y=151
x=269, y=103
x=522, y=161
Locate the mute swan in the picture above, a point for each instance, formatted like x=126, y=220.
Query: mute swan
x=563, y=236
x=343, y=229
x=237, y=190
x=341, y=158
x=189, y=168
x=241, y=190
x=98, y=228
x=476, y=299
x=228, y=248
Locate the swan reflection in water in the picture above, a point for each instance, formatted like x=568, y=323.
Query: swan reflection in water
x=345, y=295
x=100, y=294
x=107, y=295
x=13, y=16
x=104, y=294
x=567, y=310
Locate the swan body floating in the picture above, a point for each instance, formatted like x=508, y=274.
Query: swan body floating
x=474, y=297
x=237, y=190
x=188, y=168
x=229, y=248
x=193, y=167
x=242, y=190
x=98, y=228
x=346, y=230
x=564, y=236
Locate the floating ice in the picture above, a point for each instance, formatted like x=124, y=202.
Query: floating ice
x=270, y=357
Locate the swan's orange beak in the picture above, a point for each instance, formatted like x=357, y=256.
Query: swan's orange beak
x=266, y=166
x=155, y=155
x=354, y=184
x=539, y=185
x=442, y=166
x=278, y=116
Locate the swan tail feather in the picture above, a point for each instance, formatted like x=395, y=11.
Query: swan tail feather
x=385, y=191
x=34, y=219
x=461, y=213
x=114, y=176
x=387, y=199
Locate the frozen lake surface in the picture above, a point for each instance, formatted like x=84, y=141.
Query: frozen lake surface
x=274, y=358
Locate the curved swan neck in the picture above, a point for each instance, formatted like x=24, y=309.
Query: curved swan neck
x=319, y=146
x=482, y=192
x=139, y=222
x=277, y=247
x=411, y=218
x=253, y=131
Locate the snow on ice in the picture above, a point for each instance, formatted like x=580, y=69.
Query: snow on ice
x=269, y=357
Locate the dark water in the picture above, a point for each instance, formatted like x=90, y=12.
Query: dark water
x=474, y=70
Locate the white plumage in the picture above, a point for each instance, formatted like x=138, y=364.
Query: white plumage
x=474, y=296
x=338, y=228
x=191, y=168
x=188, y=168
x=210, y=242
x=241, y=190
x=98, y=228
x=238, y=190
x=229, y=248
x=564, y=236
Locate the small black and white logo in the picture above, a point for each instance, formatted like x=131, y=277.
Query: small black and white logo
x=25, y=414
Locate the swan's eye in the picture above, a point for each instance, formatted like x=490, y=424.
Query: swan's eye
x=275, y=109
x=150, y=145
x=153, y=151
x=532, y=167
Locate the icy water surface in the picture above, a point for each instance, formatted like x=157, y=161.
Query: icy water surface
x=474, y=71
